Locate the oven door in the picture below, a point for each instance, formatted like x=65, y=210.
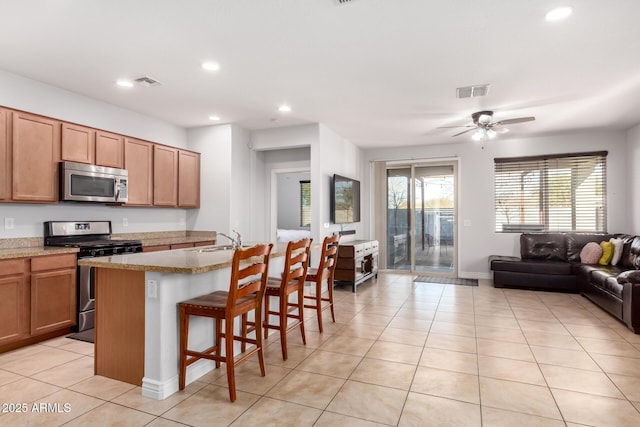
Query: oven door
x=86, y=297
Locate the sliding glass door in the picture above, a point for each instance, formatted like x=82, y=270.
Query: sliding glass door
x=421, y=218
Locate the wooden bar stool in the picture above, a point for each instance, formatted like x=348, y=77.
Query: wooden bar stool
x=325, y=270
x=249, y=272
x=293, y=276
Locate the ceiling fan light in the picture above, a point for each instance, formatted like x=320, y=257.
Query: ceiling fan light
x=491, y=133
x=478, y=135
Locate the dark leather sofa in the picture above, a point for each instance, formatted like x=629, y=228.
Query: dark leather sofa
x=551, y=261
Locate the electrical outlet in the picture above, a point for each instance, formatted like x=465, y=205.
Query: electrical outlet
x=125, y=222
x=9, y=224
x=152, y=289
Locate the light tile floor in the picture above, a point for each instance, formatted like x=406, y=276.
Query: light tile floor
x=400, y=354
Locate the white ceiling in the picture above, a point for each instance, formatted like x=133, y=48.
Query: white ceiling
x=378, y=72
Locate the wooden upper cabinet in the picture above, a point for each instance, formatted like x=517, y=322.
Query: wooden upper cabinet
x=5, y=155
x=165, y=176
x=109, y=150
x=78, y=143
x=36, y=153
x=138, y=160
x=188, y=179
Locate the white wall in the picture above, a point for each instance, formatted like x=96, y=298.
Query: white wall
x=214, y=145
x=244, y=201
x=633, y=160
x=332, y=154
x=476, y=200
x=28, y=95
x=284, y=137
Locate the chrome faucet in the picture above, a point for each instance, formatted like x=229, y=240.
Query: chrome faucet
x=235, y=243
x=238, y=238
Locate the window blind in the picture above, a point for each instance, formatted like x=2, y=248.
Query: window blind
x=565, y=192
x=305, y=203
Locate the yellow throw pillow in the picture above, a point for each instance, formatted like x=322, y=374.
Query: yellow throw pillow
x=607, y=253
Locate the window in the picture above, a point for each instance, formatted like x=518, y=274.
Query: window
x=565, y=192
x=305, y=203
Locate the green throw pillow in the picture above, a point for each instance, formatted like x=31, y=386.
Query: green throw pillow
x=607, y=253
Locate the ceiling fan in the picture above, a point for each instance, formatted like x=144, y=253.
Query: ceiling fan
x=485, y=127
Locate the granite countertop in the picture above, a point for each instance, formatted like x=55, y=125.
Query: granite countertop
x=162, y=241
x=32, y=251
x=189, y=261
x=162, y=238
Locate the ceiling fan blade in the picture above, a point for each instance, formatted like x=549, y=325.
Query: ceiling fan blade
x=453, y=127
x=464, y=131
x=518, y=120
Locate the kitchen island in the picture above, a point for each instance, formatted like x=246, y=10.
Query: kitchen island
x=137, y=321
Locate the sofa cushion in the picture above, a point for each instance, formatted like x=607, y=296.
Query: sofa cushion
x=607, y=253
x=576, y=241
x=590, y=253
x=543, y=246
x=532, y=266
x=629, y=276
x=627, y=260
x=617, y=250
x=606, y=279
x=631, y=259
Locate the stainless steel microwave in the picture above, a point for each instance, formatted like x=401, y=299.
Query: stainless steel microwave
x=81, y=182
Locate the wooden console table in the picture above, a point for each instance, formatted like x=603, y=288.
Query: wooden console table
x=357, y=262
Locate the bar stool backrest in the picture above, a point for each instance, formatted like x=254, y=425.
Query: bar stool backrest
x=249, y=272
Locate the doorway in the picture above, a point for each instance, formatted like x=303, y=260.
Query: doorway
x=421, y=218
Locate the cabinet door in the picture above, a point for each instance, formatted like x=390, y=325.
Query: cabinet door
x=78, y=143
x=109, y=150
x=165, y=176
x=36, y=153
x=5, y=156
x=53, y=300
x=138, y=160
x=14, y=302
x=188, y=179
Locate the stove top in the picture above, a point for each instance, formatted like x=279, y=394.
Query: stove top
x=92, y=237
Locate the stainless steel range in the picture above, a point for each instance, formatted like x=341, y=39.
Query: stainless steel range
x=93, y=238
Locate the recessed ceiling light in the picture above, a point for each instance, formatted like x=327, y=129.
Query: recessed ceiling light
x=124, y=83
x=211, y=66
x=558, y=14
x=214, y=118
x=284, y=108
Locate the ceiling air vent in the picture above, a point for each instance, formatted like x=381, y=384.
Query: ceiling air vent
x=344, y=1
x=147, y=81
x=472, y=91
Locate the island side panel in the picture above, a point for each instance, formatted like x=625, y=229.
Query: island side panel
x=119, y=330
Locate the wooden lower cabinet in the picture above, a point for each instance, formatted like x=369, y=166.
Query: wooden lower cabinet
x=53, y=300
x=36, y=302
x=14, y=301
x=156, y=248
